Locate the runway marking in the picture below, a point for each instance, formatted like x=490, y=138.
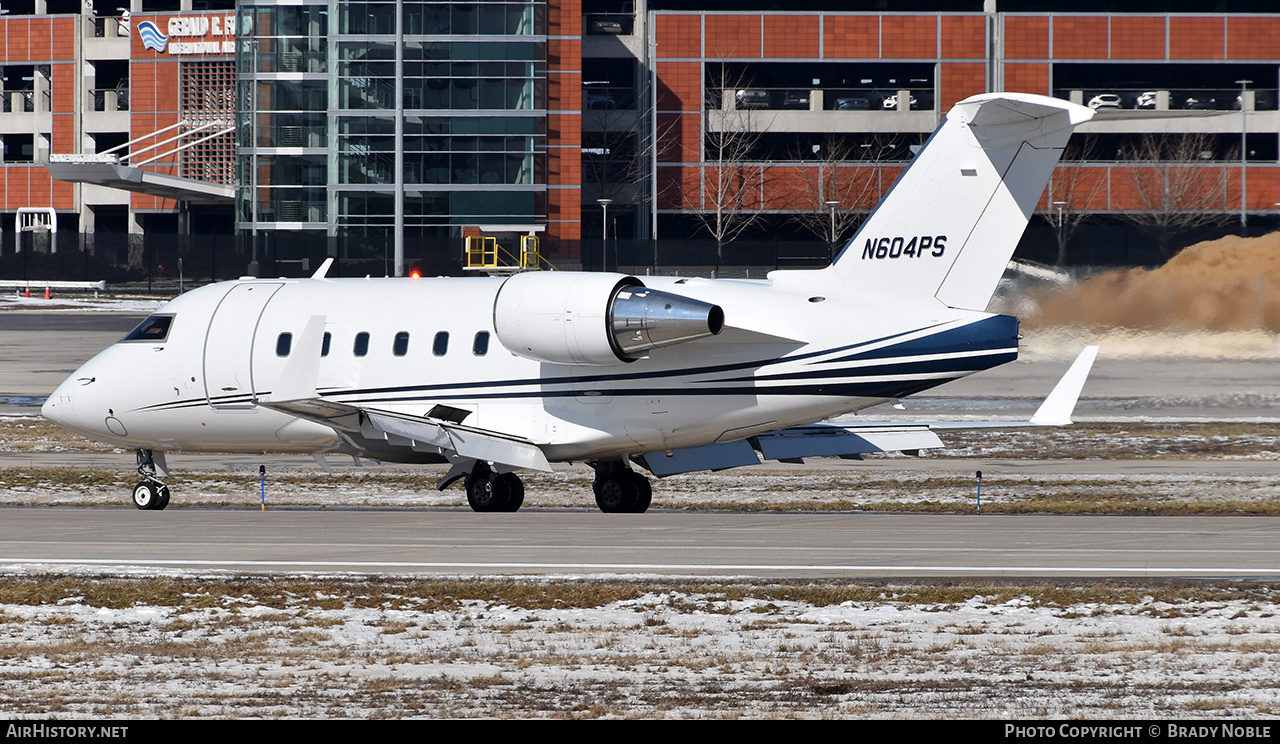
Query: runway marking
x=650, y=566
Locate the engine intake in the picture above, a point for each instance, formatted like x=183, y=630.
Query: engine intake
x=595, y=319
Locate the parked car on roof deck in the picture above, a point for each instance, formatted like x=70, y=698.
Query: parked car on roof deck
x=853, y=103
x=891, y=102
x=795, y=99
x=752, y=98
x=1105, y=101
x=1201, y=104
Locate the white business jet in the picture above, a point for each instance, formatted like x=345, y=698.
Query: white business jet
x=495, y=375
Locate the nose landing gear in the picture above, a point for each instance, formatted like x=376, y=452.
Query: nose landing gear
x=151, y=493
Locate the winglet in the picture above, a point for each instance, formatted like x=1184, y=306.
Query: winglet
x=324, y=269
x=1057, y=408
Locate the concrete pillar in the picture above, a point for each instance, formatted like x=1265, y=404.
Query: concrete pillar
x=1162, y=100
x=815, y=100
x=136, y=257
x=904, y=100
x=40, y=87
x=1077, y=97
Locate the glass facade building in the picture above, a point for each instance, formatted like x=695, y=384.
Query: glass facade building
x=368, y=119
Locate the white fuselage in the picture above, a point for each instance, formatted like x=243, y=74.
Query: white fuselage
x=787, y=356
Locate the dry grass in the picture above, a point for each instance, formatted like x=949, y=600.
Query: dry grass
x=632, y=649
x=288, y=601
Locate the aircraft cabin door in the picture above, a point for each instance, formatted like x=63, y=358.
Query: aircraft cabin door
x=228, y=348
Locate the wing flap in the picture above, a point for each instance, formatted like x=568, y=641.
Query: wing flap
x=417, y=433
x=465, y=442
x=707, y=457
x=832, y=440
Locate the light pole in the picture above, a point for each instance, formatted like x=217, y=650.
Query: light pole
x=1058, y=205
x=604, y=233
x=831, y=205
x=253, y=158
x=1244, y=154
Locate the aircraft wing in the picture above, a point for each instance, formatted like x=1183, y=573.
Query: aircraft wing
x=427, y=434
x=440, y=432
x=852, y=440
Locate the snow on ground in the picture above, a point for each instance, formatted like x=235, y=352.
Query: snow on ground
x=80, y=303
x=344, y=647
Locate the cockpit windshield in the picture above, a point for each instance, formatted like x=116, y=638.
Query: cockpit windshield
x=155, y=328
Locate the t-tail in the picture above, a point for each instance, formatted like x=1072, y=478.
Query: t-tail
x=950, y=224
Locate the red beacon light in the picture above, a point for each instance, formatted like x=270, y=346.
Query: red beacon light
x=415, y=274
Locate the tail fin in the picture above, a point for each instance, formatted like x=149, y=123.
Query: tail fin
x=952, y=220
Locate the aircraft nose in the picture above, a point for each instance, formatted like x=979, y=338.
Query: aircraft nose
x=60, y=407
x=73, y=406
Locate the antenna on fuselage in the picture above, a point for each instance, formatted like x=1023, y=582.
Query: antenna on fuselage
x=324, y=268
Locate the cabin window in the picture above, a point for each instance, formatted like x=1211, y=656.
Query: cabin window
x=155, y=328
x=324, y=345
x=440, y=346
x=401, y=345
x=362, y=344
x=480, y=346
x=284, y=343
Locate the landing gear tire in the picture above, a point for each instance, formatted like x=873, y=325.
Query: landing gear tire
x=146, y=495
x=622, y=492
x=150, y=493
x=617, y=492
x=645, y=496
x=514, y=487
x=490, y=492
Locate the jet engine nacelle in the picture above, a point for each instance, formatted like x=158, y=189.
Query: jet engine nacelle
x=595, y=319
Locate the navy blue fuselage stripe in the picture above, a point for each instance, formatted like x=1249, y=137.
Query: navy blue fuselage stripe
x=975, y=363
x=997, y=332
x=882, y=389
x=877, y=389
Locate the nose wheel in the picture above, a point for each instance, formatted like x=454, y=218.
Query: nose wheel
x=150, y=493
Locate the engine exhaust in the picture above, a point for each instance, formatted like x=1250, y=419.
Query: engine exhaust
x=641, y=319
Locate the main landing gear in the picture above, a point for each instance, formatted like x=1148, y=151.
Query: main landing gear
x=151, y=492
x=621, y=490
x=488, y=491
x=618, y=489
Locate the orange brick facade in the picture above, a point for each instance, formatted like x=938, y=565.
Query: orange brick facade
x=956, y=44
x=154, y=86
x=564, y=121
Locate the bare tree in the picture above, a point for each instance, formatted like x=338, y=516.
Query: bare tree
x=1072, y=191
x=1176, y=189
x=849, y=171
x=730, y=184
x=618, y=149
